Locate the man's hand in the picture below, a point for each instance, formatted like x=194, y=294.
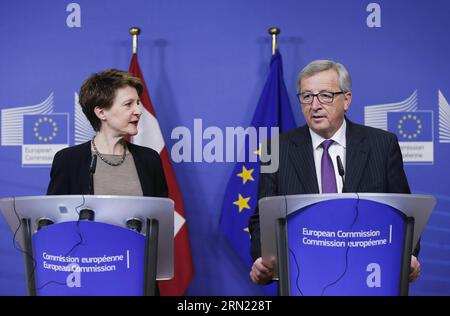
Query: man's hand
x=262, y=272
x=415, y=269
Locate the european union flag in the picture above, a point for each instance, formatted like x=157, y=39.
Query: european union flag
x=411, y=126
x=241, y=195
x=45, y=129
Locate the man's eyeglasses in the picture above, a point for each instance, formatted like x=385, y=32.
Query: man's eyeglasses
x=323, y=97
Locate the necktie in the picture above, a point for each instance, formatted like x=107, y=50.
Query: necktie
x=328, y=175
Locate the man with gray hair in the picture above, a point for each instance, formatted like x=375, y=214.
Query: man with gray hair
x=373, y=156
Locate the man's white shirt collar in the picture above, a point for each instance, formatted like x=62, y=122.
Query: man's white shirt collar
x=338, y=137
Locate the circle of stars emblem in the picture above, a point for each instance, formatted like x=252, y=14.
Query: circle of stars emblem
x=53, y=129
x=415, y=129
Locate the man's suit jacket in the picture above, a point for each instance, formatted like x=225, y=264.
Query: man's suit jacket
x=373, y=164
x=70, y=171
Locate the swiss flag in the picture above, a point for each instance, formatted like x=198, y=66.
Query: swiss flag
x=150, y=136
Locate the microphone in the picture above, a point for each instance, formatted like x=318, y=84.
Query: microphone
x=134, y=224
x=92, y=168
x=341, y=172
x=87, y=214
x=93, y=164
x=44, y=221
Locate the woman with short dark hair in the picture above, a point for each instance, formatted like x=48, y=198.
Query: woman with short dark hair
x=111, y=102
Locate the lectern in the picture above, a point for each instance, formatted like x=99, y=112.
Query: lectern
x=343, y=244
x=92, y=244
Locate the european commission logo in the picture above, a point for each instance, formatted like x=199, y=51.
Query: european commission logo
x=414, y=128
x=44, y=135
x=40, y=132
x=414, y=131
x=45, y=129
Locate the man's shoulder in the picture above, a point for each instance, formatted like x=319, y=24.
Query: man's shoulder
x=369, y=131
x=295, y=134
x=301, y=134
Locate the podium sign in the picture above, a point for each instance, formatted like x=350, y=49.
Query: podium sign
x=88, y=258
x=342, y=243
x=64, y=254
x=345, y=247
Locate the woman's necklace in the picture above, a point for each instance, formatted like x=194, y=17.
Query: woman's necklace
x=114, y=164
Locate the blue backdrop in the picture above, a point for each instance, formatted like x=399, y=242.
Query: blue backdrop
x=209, y=60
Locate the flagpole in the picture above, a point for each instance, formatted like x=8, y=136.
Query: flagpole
x=134, y=32
x=274, y=31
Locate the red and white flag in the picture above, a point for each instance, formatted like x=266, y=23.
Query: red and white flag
x=150, y=136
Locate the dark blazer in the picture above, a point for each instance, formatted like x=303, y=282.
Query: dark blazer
x=70, y=171
x=373, y=164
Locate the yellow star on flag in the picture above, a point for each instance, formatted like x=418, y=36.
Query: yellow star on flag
x=246, y=174
x=258, y=152
x=248, y=231
x=242, y=203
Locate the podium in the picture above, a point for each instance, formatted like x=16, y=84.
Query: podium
x=93, y=244
x=342, y=244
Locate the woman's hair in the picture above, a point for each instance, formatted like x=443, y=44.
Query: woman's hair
x=100, y=90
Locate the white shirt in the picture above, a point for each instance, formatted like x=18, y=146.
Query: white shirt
x=337, y=148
